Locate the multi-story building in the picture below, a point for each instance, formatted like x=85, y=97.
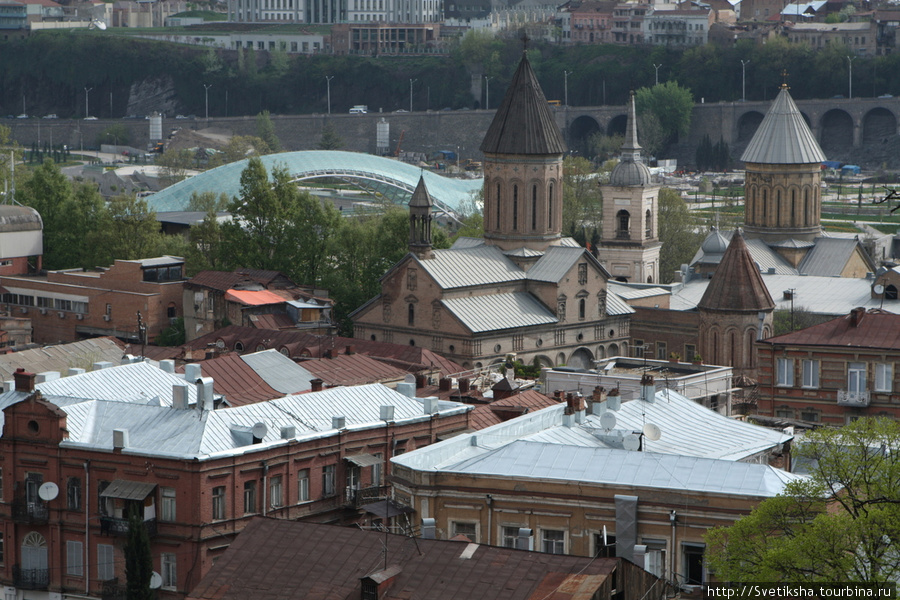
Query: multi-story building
x=677, y=28
x=335, y=11
x=628, y=23
x=834, y=372
x=386, y=38
x=75, y=469
x=860, y=38
x=73, y=304
x=591, y=22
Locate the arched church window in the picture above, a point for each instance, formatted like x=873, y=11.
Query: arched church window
x=411, y=314
x=498, y=206
x=648, y=225
x=550, y=208
x=533, y=207
x=623, y=221
x=516, y=207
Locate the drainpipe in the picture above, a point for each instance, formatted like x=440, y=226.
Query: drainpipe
x=87, y=528
x=265, y=486
x=490, y=510
x=673, y=519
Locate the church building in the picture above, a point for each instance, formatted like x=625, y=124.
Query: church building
x=523, y=288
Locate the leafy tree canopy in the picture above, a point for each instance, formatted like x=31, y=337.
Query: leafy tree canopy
x=671, y=104
x=677, y=232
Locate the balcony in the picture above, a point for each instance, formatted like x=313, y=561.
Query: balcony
x=855, y=399
x=31, y=579
x=34, y=512
x=356, y=498
x=114, y=526
x=113, y=590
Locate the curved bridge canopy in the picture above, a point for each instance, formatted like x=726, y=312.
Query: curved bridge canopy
x=394, y=179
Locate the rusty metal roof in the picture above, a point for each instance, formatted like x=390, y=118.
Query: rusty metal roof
x=276, y=559
x=485, y=415
x=877, y=329
x=736, y=286
x=236, y=380
x=352, y=369
x=524, y=122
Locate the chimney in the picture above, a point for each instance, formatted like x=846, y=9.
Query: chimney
x=431, y=405
x=316, y=385
x=463, y=385
x=613, y=400
x=648, y=389
x=167, y=365
x=205, y=395
x=338, y=422
x=407, y=389
x=328, y=354
x=24, y=380
x=856, y=315
x=376, y=584
x=120, y=439
x=445, y=384
x=640, y=552
x=578, y=405
x=192, y=372
x=350, y=350
x=570, y=400
x=386, y=412
x=428, y=529
x=103, y=364
x=74, y=371
x=525, y=539
x=421, y=380
x=46, y=376
x=288, y=432
x=180, y=396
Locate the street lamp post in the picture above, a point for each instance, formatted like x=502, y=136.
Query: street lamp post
x=744, y=64
x=411, y=82
x=566, y=87
x=487, y=92
x=328, y=83
x=657, y=72
x=850, y=60
x=87, y=113
x=206, y=93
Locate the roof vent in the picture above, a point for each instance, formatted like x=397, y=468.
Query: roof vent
x=856, y=316
x=525, y=539
x=338, y=422
x=428, y=529
x=180, y=396
x=120, y=439
x=46, y=376
x=788, y=294
x=613, y=400
x=648, y=389
x=431, y=405
x=386, y=412
x=24, y=380
x=205, y=394
x=315, y=385
x=288, y=432
x=407, y=389
x=74, y=371
x=103, y=364
x=167, y=365
x=192, y=372
x=771, y=271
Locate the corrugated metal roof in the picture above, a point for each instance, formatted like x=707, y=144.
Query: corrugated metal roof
x=479, y=265
x=555, y=263
x=616, y=306
x=633, y=293
x=62, y=357
x=495, y=312
x=237, y=381
x=763, y=255
x=279, y=371
x=876, y=329
x=829, y=256
x=138, y=382
x=783, y=137
x=127, y=490
x=254, y=297
x=353, y=369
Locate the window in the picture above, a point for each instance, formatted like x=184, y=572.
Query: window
x=784, y=413
x=101, y=501
x=74, y=559
x=661, y=351
x=785, y=372
x=73, y=493
x=692, y=563
x=106, y=565
x=809, y=415
x=218, y=502
x=249, y=497
x=303, y=485
x=411, y=314
x=581, y=308
x=638, y=348
x=508, y=536
x=467, y=529
x=167, y=505
x=856, y=377
x=553, y=541
x=328, y=480
x=168, y=570
x=607, y=550
x=810, y=373
x=276, y=497
x=884, y=377
x=656, y=556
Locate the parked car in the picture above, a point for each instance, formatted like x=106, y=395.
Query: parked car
x=51, y=116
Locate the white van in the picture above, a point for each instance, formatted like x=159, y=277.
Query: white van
x=359, y=109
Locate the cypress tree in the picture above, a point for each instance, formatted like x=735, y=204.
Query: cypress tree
x=138, y=561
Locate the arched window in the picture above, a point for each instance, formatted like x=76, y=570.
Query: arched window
x=515, y=208
x=750, y=358
x=581, y=308
x=623, y=221
x=498, y=206
x=890, y=292
x=411, y=314
x=765, y=205
x=734, y=350
x=550, y=208
x=533, y=207
x=648, y=225
x=807, y=214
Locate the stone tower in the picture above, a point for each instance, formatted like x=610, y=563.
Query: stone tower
x=420, y=206
x=733, y=308
x=629, y=241
x=523, y=154
x=782, y=185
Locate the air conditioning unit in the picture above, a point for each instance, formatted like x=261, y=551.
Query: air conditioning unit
x=43, y=311
x=79, y=316
x=61, y=314
x=24, y=310
x=106, y=317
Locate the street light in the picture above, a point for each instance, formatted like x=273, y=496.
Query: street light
x=850, y=60
x=87, y=113
x=566, y=87
x=206, y=93
x=411, y=82
x=328, y=83
x=487, y=92
x=657, y=72
x=744, y=64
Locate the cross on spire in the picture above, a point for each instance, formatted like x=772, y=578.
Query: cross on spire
x=784, y=76
x=525, y=40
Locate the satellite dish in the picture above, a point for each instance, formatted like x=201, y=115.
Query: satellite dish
x=652, y=432
x=259, y=430
x=155, y=581
x=632, y=442
x=879, y=289
x=48, y=491
x=410, y=378
x=608, y=421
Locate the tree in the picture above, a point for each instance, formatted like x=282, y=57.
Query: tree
x=677, y=232
x=173, y=335
x=138, y=560
x=205, y=252
x=330, y=139
x=175, y=164
x=128, y=230
x=840, y=525
x=671, y=104
x=116, y=134
x=208, y=201
x=582, y=200
x=265, y=130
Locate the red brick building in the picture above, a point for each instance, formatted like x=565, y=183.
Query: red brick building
x=833, y=372
x=195, y=475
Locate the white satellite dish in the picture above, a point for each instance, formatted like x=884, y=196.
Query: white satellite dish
x=632, y=442
x=259, y=430
x=410, y=378
x=155, y=581
x=879, y=289
x=48, y=491
x=652, y=432
x=608, y=420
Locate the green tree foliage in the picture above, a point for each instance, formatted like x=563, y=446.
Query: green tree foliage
x=330, y=138
x=175, y=164
x=116, y=134
x=711, y=157
x=265, y=130
x=138, y=560
x=205, y=247
x=677, y=232
x=208, y=201
x=841, y=525
x=582, y=200
x=128, y=230
x=671, y=104
x=604, y=147
x=173, y=335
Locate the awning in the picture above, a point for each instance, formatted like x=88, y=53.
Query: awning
x=363, y=460
x=128, y=490
x=386, y=509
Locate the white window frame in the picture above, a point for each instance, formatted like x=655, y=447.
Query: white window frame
x=106, y=562
x=168, y=568
x=303, y=485
x=856, y=377
x=455, y=525
x=168, y=506
x=328, y=481
x=74, y=559
x=884, y=377
x=219, y=510
x=551, y=545
x=509, y=535
x=656, y=556
x=810, y=368
x=784, y=372
x=276, y=491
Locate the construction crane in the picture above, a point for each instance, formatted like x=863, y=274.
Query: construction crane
x=399, y=142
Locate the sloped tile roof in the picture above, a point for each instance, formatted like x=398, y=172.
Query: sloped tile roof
x=783, y=137
x=352, y=369
x=485, y=415
x=524, y=122
x=496, y=312
x=878, y=329
x=736, y=286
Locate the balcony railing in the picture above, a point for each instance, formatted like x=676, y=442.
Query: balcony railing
x=31, y=579
x=112, y=590
x=114, y=526
x=858, y=399
x=356, y=498
x=35, y=512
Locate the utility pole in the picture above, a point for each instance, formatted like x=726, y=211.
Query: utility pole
x=411, y=82
x=657, y=72
x=566, y=86
x=206, y=93
x=850, y=60
x=328, y=83
x=487, y=92
x=744, y=64
x=87, y=113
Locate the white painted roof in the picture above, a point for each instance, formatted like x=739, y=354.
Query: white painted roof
x=495, y=312
x=279, y=372
x=136, y=383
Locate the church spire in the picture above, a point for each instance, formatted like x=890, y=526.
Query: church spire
x=420, y=205
x=631, y=170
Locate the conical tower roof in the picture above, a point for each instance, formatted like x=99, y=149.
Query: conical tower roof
x=631, y=169
x=524, y=122
x=736, y=286
x=421, y=198
x=783, y=137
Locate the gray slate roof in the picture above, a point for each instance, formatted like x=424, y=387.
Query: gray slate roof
x=279, y=372
x=783, y=137
x=496, y=312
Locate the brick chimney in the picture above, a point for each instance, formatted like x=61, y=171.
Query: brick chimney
x=463, y=385
x=445, y=384
x=421, y=380
x=328, y=354
x=24, y=380
x=316, y=384
x=350, y=350
x=856, y=315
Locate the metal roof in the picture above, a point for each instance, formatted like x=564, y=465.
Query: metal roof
x=138, y=383
x=127, y=490
x=62, y=357
x=633, y=293
x=279, y=371
x=829, y=256
x=736, y=284
x=495, y=312
x=616, y=306
x=480, y=265
x=876, y=329
x=783, y=137
x=236, y=380
x=555, y=263
x=364, y=170
x=353, y=369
